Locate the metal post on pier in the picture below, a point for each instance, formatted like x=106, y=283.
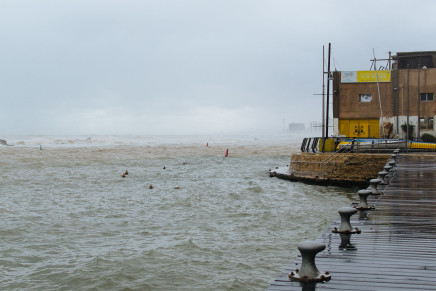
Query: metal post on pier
x=419, y=105
x=407, y=126
x=328, y=93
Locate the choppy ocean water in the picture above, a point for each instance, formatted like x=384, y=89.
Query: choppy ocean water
x=68, y=220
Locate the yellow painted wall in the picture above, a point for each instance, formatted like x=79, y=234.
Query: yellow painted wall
x=364, y=128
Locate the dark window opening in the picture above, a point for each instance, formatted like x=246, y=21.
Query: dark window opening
x=426, y=96
x=426, y=122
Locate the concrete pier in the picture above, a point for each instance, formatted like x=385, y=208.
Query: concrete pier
x=396, y=247
x=344, y=169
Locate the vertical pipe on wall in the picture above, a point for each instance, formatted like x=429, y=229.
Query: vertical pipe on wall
x=397, y=101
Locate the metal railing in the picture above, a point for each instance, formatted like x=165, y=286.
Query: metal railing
x=339, y=151
x=376, y=145
x=309, y=144
x=329, y=160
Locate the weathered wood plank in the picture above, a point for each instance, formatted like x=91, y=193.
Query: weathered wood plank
x=396, y=249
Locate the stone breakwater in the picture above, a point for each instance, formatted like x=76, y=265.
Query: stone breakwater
x=349, y=169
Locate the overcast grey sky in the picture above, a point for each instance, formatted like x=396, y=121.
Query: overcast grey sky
x=186, y=66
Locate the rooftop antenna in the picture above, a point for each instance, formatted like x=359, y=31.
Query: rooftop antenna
x=388, y=64
x=372, y=64
x=389, y=61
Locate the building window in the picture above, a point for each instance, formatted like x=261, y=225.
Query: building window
x=365, y=97
x=426, y=96
x=426, y=122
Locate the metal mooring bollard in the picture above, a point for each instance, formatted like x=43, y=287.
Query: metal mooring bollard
x=393, y=164
x=308, y=271
x=345, y=226
x=363, y=204
x=346, y=242
x=387, y=168
x=373, y=183
x=381, y=176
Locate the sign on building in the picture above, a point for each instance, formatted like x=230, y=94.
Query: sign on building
x=365, y=76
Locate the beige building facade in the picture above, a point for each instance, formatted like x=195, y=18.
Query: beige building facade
x=377, y=104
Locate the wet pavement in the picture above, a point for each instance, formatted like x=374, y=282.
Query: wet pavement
x=396, y=248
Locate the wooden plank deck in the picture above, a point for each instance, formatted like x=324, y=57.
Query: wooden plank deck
x=397, y=246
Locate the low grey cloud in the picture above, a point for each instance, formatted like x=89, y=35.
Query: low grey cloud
x=150, y=67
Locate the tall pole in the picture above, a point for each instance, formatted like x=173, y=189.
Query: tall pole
x=323, y=95
x=407, y=126
x=419, y=104
x=328, y=94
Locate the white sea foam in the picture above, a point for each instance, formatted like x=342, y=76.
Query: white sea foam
x=150, y=140
x=69, y=220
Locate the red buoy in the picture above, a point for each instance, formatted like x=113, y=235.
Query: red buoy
x=123, y=175
x=227, y=153
x=207, y=144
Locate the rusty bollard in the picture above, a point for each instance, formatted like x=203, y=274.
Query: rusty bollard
x=373, y=183
x=363, y=204
x=345, y=227
x=381, y=177
x=308, y=271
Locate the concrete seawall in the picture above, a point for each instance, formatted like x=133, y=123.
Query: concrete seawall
x=350, y=169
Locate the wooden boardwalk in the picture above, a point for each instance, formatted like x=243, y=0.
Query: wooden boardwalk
x=397, y=247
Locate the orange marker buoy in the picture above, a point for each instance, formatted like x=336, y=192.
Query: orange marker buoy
x=123, y=175
x=227, y=153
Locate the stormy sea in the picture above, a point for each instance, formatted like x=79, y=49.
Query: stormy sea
x=184, y=217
